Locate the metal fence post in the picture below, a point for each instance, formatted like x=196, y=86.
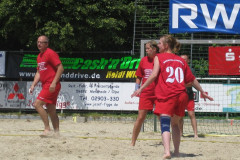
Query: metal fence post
x=155, y=123
x=142, y=128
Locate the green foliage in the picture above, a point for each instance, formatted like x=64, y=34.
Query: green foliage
x=153, y=18
x=70, y=25
x=201, y=67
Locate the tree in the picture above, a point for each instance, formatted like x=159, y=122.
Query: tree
x=88, y=25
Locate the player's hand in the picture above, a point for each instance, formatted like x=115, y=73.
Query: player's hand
x=52, y=88
x=136, y=93
x=204, y=95
x=30, y=91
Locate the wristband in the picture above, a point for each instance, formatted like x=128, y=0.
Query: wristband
x=137, y=86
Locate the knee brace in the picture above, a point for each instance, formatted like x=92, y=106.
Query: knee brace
x=165, y=123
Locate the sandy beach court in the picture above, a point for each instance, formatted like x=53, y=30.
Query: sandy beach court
x=94, y=140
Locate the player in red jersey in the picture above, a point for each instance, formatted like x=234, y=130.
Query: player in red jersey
x=190, y=105
x=147, y=96
x=172, y=73
x=49, y=71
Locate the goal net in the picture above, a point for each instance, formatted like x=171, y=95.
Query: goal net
x=220, y=116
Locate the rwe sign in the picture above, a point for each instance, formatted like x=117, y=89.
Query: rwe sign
x=204, y=16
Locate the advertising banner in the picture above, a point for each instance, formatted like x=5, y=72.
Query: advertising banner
x=13, y=94
x=226, y=98
x=233, y=102
x=2, y=94
x=99, y=68
x=224, y=60
x=112, y=96
x=13, y=62
x=2, y=62
x=190, y=16
x=91, y=96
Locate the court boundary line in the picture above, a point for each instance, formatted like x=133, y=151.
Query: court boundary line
x=119, y=138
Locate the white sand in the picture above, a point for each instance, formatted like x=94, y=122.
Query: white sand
x=19, y=140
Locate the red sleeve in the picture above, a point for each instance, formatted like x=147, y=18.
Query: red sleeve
x=54, y=59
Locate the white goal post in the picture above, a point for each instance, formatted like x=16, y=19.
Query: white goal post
x=200, y=41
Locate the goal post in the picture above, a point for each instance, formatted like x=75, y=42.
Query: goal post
x=201, y=41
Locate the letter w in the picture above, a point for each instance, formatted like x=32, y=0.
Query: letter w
x=220, y=8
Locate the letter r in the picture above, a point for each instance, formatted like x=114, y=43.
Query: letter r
x=186, y=19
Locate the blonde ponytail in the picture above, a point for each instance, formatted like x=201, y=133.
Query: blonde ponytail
x=172, y=42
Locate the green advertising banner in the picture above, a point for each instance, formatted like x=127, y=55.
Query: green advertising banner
x=95, y=68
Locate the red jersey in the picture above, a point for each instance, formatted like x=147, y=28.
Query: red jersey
x=47, y=63
x=144, y=70
x=174, y=74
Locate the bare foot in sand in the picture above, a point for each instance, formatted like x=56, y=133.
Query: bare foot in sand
x=132, y=144
x=56, y=134
x=46, y=133
x=166, y=156
x=195, y=136
x=176, y=154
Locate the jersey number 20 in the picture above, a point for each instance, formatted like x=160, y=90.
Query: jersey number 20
x=175, y=74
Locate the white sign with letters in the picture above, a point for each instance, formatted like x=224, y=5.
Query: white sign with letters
x=92, y=96
x=111, y=96
x=204, y=16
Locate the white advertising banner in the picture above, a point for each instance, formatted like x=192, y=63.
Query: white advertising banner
x=112, y=96
x=2, y=95
x=13, y=94
x=2, y=62
x=92, y=96
x=226, y=98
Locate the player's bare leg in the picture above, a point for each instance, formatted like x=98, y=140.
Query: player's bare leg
x=166, y=137
x=176, y=134
x=193, y=122
x=181, y=122
x=38, y=104
x=51, y=108
x=138, y=124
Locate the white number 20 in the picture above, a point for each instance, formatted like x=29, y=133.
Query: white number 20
x=175, y=74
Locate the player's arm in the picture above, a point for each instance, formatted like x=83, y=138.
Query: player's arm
x=58, y=73
x=139, y=74
x=35, y=81
x=57, y=77
x=138, y=83
x=151, y=78
x=198, y=87
x=188, y=84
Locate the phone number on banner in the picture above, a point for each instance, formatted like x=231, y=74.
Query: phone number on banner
x=104, y=98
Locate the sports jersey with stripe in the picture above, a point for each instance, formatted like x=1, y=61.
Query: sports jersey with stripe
x=144, y=70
